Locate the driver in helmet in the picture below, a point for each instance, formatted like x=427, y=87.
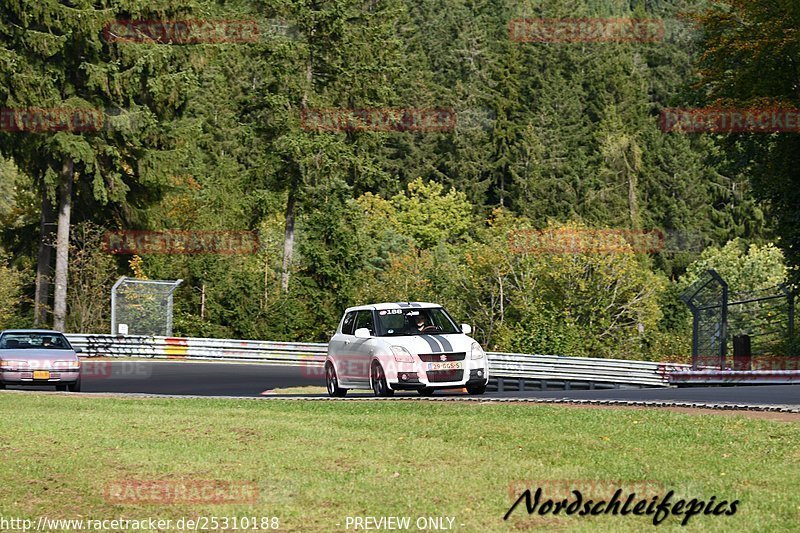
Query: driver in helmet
x=421, y=324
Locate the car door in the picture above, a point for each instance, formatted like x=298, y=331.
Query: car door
x=339, y=346
x=361, y=348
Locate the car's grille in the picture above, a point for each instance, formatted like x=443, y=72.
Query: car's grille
x=437, y=357
x=440, y=376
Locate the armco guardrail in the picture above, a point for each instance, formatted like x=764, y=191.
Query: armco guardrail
x=526, y=372
x=284, y=353
x=706, y=377
x=509, y=371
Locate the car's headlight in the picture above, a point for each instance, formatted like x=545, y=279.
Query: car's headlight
x=14, y=365
x=401, y=355
x=66, y=365
x=477, y=351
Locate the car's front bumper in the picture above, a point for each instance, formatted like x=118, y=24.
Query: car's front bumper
x=412, y=376
x=54, y=377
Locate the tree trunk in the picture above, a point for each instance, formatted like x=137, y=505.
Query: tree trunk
x=502, y=303
x=43, y=267
x=503, y=186
x=265, y=302
x=288, y=239
x=203, y=301
x=633, y=203
x=291, y=201
x=633, y=167
x=62, y=246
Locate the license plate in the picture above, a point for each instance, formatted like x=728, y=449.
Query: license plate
x=41, y=374
x=451, y=365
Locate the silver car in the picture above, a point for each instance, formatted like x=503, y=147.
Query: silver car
x=37, y=357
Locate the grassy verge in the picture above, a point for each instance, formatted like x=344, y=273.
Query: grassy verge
x=300, y=391
x=316, y=463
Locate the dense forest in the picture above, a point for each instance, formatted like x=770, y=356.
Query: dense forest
x=558, y=135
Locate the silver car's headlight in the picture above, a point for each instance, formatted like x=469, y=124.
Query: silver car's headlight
x=67, y=365
x=14, y=365
x=401, y=355
x=477, y=351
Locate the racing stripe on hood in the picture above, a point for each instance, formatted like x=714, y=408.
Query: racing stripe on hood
x=435, y=347
x=444, y=342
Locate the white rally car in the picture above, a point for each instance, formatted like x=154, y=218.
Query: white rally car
x=403, y=346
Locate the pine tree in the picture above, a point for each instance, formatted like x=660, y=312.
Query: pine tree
x=57, y=56
x=760, y=39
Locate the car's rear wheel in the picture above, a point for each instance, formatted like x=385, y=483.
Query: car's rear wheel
x=378, y=378
x=332, y=383
x=2, y=385
x=74, y=387
x=476, y=389
x=427, y=391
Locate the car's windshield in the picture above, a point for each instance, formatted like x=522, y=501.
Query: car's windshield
x=17, y=341
x=419, y=321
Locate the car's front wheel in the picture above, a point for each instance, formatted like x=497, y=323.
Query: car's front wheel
x=476, y=389
x=427, y=391
x=378, y=378
x=74, y=387
x=332, y=383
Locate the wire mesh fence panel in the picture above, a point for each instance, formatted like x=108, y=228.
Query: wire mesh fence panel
x=142, y=307
x=765, y=316
x=707, y=298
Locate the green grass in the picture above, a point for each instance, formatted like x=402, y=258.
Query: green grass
x=300, y=391
x=316, y=463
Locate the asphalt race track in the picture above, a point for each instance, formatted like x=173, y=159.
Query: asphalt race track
x=253, y=380
x=194, y=378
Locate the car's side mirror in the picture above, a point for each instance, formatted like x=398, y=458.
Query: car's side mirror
x=362, y=333
x=466, y=329
x=78, y=350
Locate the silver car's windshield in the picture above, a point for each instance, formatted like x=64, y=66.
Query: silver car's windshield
x=418, y=321
x=48, y=341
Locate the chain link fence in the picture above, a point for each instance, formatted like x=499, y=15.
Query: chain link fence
x=765, y=317
x=142, y=307
x=707, y=299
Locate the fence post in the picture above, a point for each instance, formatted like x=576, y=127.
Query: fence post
x=114, y=305
x=695, y=337
x=723, y=341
